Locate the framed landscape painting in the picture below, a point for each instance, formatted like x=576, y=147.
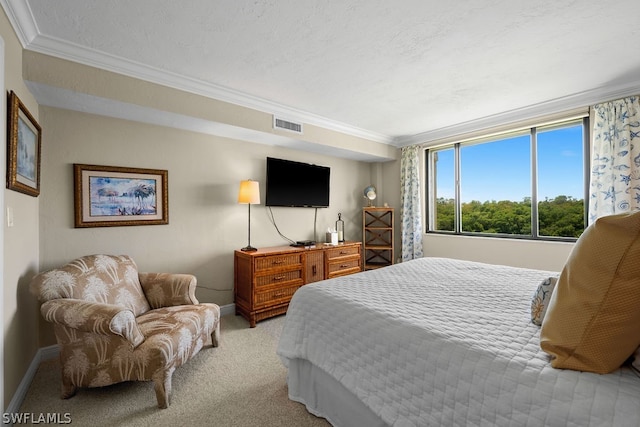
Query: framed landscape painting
x=23, y=150
x=107, y=196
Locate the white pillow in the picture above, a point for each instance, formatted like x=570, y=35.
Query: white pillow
x=540, y=299
x=636, y=359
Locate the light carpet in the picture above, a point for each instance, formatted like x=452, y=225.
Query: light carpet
x=240, y=383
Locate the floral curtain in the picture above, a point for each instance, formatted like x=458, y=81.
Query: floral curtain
x=615, y=158
x=411, y=212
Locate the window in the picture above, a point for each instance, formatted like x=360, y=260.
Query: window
x=529, y=184
x=444, y=191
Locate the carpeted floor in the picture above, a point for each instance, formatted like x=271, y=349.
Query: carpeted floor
x=240, y=383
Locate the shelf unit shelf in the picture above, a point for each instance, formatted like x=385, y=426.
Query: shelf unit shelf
x=377, y=236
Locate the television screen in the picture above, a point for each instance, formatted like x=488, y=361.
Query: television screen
x=297, y=184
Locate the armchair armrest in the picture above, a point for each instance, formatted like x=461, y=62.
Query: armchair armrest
x=98, y=318
x=168, y=289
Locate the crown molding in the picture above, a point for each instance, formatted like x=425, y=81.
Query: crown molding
x=21, y=19
x=93, y=58
x=23, y=22
x=69, y=100
x=555, y=106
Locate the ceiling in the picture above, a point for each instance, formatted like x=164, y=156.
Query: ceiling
x=396, y=72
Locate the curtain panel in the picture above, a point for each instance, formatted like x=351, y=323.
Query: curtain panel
x=410, y=200
x=615, y=158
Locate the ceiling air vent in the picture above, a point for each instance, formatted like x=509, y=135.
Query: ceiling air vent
x=287, y=125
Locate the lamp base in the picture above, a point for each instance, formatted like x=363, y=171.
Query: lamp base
x=249, y=249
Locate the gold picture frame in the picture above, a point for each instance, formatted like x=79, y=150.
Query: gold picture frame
x=111, y=196
x=24, y=148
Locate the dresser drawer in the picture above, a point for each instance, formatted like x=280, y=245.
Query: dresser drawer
x=274, y=296
x=279, y=279
x=342, y=252
x=278, y=261
x=346, y=266
x=266, y=279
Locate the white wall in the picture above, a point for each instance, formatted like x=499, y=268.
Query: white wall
x=542, y=255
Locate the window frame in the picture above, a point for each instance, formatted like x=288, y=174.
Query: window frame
x=531, y=130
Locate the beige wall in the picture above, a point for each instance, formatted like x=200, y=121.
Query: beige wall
x=205, y=222
x=65, y=77
x=20, y=244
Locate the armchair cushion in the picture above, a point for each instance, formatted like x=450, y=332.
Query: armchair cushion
x=98, y=318
x=109, y=279
x=164, y=289
x=172, y=336
x=178, y=328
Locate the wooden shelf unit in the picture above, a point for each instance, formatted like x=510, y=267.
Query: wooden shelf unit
x=378, y=237
x=266, y=279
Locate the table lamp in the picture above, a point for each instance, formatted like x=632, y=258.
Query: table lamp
x=249, y=194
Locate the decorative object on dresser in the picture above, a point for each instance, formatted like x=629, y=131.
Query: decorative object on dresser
x=249, y=194
x=377, y=234
x=266, y=279
x=340, y=228
x=370, y=195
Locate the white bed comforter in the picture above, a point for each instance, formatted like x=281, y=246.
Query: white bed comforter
x=438, y=342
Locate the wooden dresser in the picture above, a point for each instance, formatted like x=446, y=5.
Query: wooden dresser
x=265, y=280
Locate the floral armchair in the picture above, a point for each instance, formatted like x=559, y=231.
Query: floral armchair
x=115, y=324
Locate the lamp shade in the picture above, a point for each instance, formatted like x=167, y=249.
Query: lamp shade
x=249, y=192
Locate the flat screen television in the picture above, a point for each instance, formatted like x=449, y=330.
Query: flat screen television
x=296, y=184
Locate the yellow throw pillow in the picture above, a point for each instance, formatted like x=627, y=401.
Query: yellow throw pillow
x=593, y=319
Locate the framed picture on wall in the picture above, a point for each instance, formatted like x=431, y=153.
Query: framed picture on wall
x=108, y=196
x=23, y=151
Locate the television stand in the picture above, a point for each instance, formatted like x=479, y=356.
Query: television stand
x=265, y=280
x=301, y=243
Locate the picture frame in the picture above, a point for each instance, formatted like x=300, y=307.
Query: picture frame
x=111, y=196
x=24, y=147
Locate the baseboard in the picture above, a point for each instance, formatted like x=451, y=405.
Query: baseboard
x=44, y=353
x=227, y=309
x=51, y=352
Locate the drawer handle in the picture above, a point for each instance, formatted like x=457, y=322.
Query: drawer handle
x=278, y=294
x=344, y=266
x=278, y=277
x=278, y=261
x=343, y=252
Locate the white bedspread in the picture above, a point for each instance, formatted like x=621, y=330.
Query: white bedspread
x=445, y=342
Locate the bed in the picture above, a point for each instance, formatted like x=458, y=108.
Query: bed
x=439, y=342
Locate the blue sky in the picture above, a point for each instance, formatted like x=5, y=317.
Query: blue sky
x=501, y=171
